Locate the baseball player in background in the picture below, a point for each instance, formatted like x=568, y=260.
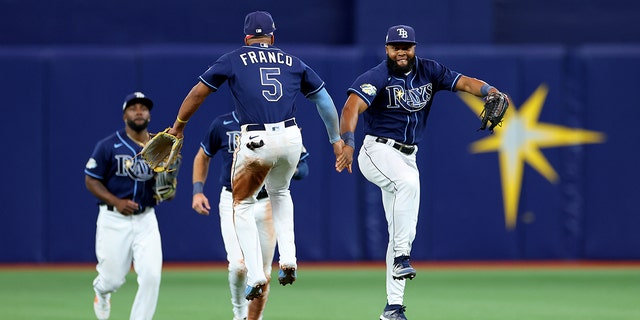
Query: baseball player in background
x=223, y=136
x=264, y=83
x=395, y=97
x=126, y=230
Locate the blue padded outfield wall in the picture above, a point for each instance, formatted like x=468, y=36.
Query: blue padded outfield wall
x=558, y=181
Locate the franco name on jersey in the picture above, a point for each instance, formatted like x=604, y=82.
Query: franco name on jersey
x=260, y=56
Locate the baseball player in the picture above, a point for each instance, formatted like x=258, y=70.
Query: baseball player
x=222, y=137
x=395, y=97
x=127, y=230
x=264, y=82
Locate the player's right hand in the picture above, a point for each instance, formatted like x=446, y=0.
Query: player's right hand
x=175, y=132
x=126, y=207
x=344, y=159
x=201, y=204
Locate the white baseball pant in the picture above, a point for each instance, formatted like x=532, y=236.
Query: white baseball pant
x=123, y=240
x=397, y=176
x=237, y=270
x=273, y=164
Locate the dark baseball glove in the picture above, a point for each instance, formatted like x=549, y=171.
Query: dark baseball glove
x=167, y=181
x=495, y=106
x=161, y=151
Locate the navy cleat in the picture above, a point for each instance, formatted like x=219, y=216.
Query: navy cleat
x=287, y=275
x=251, y=293
x=402, y=269
x=393, y=312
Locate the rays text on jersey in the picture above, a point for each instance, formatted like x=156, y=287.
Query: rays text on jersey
x=412, y=100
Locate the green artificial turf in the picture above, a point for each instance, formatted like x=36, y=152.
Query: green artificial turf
x=337, y=293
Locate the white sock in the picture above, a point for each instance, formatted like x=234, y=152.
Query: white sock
x=237, y=284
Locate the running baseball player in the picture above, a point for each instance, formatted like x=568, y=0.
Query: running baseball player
x=264, y=82
x=222, y=137
x=395, y=97
x=127, y=230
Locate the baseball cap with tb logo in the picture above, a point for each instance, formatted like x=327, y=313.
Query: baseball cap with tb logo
x=401, y=34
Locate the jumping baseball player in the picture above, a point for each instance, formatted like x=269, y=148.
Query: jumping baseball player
x=222, y=136
x=395, y=97
x=127, y=229
x=264, y=82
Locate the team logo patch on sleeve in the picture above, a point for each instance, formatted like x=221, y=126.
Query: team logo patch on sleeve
x=91, y=164
x=368, y=89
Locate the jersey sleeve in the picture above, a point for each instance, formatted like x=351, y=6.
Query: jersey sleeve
x=211, y=142
x=368, y=85
x=444, y=77
x=98, y=164
x=217, y=73
x=311, y=81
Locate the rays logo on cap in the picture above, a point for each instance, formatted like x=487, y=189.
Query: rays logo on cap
x=401, y=34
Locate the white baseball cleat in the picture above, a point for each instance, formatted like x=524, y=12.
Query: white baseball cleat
x=102, y=306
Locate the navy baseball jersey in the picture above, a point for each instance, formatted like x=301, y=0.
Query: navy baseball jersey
x=222, y=136
x=260, y=68
x=114, y=162
x=399, y=106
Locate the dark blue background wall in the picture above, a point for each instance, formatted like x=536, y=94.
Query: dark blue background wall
x=67, y=67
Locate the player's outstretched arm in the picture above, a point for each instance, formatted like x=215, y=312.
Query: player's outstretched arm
x=328, y=113
x=353, y=107
x=200, y=202
x=474, y=86
x=189, y=106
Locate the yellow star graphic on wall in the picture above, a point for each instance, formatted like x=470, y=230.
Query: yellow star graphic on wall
x=519, y=140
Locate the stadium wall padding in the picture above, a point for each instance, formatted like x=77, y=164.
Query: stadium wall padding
x=58, y=101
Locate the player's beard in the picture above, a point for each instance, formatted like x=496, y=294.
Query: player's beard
x=395, y=69
x=138, y=127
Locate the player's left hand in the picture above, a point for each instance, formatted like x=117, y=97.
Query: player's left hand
x=344, y=159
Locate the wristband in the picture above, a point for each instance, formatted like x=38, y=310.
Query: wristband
x=180, y=120
x=198, y=187
x=348, y=138
x=485, y=89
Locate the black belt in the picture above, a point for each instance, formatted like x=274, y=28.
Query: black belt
x=261, y=195
x=261, y=127
x=404, y=148
x=139, y=211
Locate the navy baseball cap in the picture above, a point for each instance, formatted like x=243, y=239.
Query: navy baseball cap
x=401, y=34
x=137, y=97
x=258, y=23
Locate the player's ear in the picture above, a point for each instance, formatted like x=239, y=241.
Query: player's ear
x=273, y=39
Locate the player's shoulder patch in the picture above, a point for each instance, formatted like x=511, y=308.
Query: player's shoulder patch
x=91, y=164
x=368, y=88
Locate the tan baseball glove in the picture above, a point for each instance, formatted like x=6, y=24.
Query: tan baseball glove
x=167, y=182
x=161, y=151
